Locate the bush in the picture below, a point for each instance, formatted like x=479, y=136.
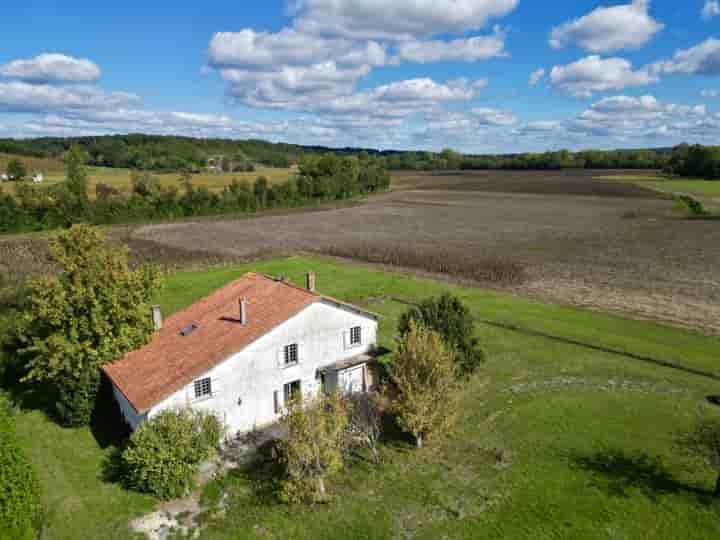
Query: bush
x=77, y=396
x=20, y=510
x=164, y=454
x=450, y=318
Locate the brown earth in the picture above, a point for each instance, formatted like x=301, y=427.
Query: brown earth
x=598, y=244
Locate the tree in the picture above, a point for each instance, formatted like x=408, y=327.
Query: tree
x=313, y=447
x=365, y=425
x=449, y=317
x=703, y=441
x=16, y=170
x=93, y=312
x=423, y=371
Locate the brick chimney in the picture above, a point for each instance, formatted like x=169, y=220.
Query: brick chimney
x=310, y=281
x=156, y=317
x=242, y=304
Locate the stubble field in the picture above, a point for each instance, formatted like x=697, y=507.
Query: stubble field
x=581, y=240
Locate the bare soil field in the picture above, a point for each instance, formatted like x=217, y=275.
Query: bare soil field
x=594, y=243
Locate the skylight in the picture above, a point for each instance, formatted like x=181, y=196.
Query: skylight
x=187, y=330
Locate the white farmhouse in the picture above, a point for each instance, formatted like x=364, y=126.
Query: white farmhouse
x=4, y=177
x=245, y=350
x=37, y=178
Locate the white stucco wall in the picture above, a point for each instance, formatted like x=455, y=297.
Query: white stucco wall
x=244, y=384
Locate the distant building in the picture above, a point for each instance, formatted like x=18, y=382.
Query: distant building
x=4, y=178
x=37, y=178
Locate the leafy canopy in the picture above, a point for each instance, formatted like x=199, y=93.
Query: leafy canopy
x=313, y=447
x=424, y=373
x=92, y=312
x=450, y=318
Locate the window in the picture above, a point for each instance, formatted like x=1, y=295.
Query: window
x=291, y=391
x=291, y=354
x=203, y=388
x=355, y=335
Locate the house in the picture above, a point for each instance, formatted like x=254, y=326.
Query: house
x=244, y=351
x=37, y=178
x=4, y=178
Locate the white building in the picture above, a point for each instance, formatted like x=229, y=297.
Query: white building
x=243, y=351
x=4, y=177
x=37, y=178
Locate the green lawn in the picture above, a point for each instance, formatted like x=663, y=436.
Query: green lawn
x=703, y=188
x=586, y=437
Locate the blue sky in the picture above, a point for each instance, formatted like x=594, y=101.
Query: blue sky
x=407, y=74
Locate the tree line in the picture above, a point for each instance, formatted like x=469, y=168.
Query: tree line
x=319, y=178
x=684, y=160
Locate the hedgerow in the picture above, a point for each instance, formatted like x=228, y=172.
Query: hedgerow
x=20, y=509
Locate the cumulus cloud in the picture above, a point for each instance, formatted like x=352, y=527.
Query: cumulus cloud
x=52, y=68
x=710, y=9
x=595, y=74
x=493, y=117
x=535, y=76
x=607, y=29
x=17, y=96
x=397, y=20
x=637, y=117
x=703, y=59
x=467, y=50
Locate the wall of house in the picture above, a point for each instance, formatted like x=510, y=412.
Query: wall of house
x=244, y=384
x=132, y=418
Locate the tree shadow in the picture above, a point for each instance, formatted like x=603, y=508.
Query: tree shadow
x=625, y=471
x=107, y=424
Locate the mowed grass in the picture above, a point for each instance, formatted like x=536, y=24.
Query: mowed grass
x=703, y=188
x=553, y=441
x=120, y=178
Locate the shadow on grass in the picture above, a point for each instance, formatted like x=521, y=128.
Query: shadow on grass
x=626, y=471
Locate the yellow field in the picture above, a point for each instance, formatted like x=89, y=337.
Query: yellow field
x=46, y=165
x=120, y=178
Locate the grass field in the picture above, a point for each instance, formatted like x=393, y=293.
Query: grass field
x=703, y=188
x=554, y=441
x=120, y=178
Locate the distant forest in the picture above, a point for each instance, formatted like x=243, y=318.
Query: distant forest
x=171, y=153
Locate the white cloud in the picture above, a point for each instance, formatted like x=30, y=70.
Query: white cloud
x=493, y=117
x=710, y=9
x=629, y=117
x=607, y=29
x=535, y=76
x=710, y=93
x=466, y=50
x=703, y=59
x=595, y=74
x=16, y=96
x=52, y=67
x=397, y=20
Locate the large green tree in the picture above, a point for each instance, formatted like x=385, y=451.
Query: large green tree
x=450, y=318
x=92, y=312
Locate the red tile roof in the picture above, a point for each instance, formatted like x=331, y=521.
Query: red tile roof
x=171, y=361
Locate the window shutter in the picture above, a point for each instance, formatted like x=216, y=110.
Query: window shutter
x=280, y=356
x=276, y=401
x=346, y=339
x=301, y=352
x=215, y=387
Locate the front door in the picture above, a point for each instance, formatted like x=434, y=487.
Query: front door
x=354, y=380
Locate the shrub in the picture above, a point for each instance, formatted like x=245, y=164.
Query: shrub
x=164, y=454
x=695, y=207
x=20, y=510
x=76, y=397
x=703, y=441
x=450, y=318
